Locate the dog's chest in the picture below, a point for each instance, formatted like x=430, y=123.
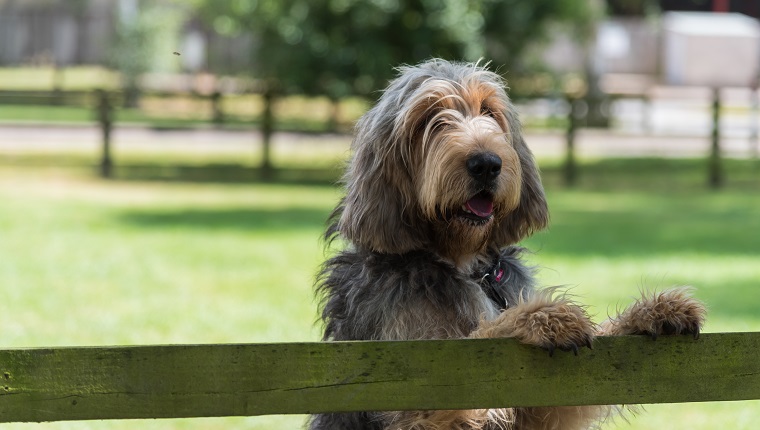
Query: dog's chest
x=450, y=310
x=397, y=297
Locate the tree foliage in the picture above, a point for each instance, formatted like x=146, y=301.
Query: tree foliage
x=512, y=27
x=349, y=47
x=141, y=27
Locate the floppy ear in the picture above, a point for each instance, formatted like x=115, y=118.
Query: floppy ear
x=379, y=209
x=532, y=213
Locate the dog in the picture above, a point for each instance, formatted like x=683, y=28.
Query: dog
x=440, y=189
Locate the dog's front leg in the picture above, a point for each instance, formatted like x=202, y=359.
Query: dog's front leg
x=545, y=320
x=550, y=322
x=672, y=311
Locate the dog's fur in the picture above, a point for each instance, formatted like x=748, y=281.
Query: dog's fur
x=440, y=188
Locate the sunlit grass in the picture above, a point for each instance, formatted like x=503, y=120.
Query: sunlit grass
x=207, y=252
x=91, y=262
x=46, y=78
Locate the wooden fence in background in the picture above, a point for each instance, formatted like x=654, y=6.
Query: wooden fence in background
x=105, y=103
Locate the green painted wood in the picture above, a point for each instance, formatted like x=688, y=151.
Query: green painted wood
x=174, y=381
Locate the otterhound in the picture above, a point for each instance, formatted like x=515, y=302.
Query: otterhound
x=440, y=188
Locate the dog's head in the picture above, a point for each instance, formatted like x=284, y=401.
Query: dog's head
x=439, y=163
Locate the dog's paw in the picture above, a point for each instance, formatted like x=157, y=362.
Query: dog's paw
x=670, y=312
x=560, y=324
x=545, y=321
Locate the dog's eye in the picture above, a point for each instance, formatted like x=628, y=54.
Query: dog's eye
x=485, y=110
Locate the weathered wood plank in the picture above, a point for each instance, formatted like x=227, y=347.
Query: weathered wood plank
x=55, y=384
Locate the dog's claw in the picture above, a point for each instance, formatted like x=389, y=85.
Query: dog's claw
x=574, y=347
x=588, y=343
x=696, y=333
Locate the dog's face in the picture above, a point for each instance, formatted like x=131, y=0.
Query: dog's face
x=470, y=176
x=439, y=164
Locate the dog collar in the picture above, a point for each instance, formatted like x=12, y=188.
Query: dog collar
x=498, y=274
x=493, y=283
x=496, y=271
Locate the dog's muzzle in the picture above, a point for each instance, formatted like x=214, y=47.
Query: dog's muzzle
x=484, y=168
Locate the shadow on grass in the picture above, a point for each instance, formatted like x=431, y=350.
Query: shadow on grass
x=275, y=221
x=656, y=174
x=643, y=233
x=652, y=206
x=625, y=223
x=226, y=173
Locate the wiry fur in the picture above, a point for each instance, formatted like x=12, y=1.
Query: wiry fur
x=431, y=243
x=408, y=162
x=672, y=311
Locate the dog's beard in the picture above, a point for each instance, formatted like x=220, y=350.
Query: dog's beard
x=466, y=212
x=463, y=231
x=464, y=204
x=460, y=238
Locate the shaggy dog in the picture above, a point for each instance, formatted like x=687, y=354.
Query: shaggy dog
x=440, y=188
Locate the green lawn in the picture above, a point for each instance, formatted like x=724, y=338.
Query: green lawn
x=70, y=78
x=91, y=262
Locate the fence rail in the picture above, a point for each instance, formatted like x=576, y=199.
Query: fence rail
x=178, y=381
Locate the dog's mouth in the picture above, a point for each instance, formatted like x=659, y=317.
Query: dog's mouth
x=478, y=209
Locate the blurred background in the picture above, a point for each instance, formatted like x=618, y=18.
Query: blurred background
x=166, y=167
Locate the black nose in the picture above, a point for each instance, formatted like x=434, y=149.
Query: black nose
x=484, y=166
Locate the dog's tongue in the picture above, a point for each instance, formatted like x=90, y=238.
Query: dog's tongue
x=480, y=205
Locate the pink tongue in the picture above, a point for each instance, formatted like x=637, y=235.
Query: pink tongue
x=480, y=206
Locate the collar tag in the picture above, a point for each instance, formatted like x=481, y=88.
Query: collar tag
x=499, y=273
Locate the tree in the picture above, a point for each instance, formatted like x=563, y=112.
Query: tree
x=339, y=48
x=140, y=29
x=514, y=28
x=335, y=48
x=262, y=21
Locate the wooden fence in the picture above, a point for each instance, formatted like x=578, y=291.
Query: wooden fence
x=104, y=104
x=178, y=381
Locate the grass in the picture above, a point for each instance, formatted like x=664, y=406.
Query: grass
x=70, y=78
x=91, y=262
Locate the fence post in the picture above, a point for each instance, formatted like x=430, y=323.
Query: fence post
x=57, y=84
x=105, y=119
x=216, y=108
x=715, y=173
x=570, y=167
x=754, y=126
x=267, y=129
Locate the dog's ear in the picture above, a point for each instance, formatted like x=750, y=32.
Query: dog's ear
x=532, y=212
x=378, y=210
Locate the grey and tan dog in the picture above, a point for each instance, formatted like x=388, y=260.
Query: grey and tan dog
x=440, y=188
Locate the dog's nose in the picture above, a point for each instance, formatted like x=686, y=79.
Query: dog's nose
x=484, y=166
